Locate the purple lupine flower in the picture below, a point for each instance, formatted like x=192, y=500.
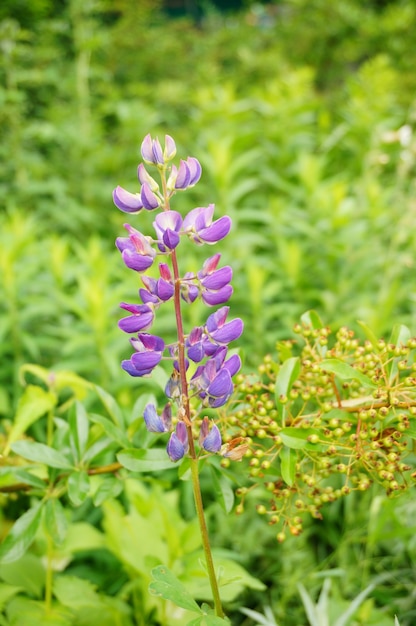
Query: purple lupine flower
x=167, y=226
x=136, y=251
x=160, y=290
x=149, y=349
x=170, y=148
x=187, y=175
x=215, y=287
x=156, y=423
x=221, y=332
x=149, y=199
x=173, y=386
x=210, y=439
x=201, y=229
x=126, y=201
x=195, y=344
x=178, y=443
x=213, y=380
x=144, y=177
x=189, y=291
x=152, y=150
x=141, y=317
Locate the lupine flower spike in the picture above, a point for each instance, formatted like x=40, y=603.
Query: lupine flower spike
x=210, y=380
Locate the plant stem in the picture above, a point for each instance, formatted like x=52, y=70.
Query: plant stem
x=186, y=417
x=49, y=575
x=205, y=538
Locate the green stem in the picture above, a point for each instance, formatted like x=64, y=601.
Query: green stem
x=49, y=575
x=186, y=417
x=205, y=538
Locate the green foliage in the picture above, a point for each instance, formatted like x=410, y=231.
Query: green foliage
x=333, y=420
x=302, y=114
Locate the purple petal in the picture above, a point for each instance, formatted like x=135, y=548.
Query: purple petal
x=217, y=319
x=135, y=261
x=209, y=266
x=147, y=149
x=213, y=298
x=175, y=448
x=130, y=369
x=233, y=364
x=171, y=239
x=168, y=220
x=148, y=297
x=149, y=199
x=126, y=201
x=218, y=278
x=144, y=177
x=165, y=272
x=134, y=323
x=183, y=176
x=229, y=332
x=166, y=416
x=154, y=423
x=146, y=341
x=196, y=353
x=145, y=360
x=194, y=169
x=157, y=152
x=217, y=231
x=165, y=290
x=170, y=148
x=182, y=434
x=221, y=385
x=213, y=442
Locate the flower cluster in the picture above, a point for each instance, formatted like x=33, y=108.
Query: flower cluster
x=201, y=367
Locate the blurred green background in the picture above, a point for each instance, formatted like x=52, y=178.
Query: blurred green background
x=303, y=115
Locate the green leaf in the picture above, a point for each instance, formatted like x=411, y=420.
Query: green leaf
x=112, y=431
x=78, y=429
x=288, y=465
x=288, y=373
x=111, y=406
x=167, y=586
x=223, y=490
x=75, y=592
x=297, y=438
x=109, y=487
x=7, y=592
x=41, y=453
x=312, y=319
x=152, y=460
x=21, y=535
x=34, y=403
x=56, y=523
x=27, y=573
x=27, y=478
x=399, y=337
x=27, y=612
x=371, y=336
x=78, y=487
x=344, y=371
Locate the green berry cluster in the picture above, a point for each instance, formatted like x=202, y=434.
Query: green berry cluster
x=326, y=416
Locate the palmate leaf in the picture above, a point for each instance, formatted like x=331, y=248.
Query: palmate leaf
x=21, y=535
